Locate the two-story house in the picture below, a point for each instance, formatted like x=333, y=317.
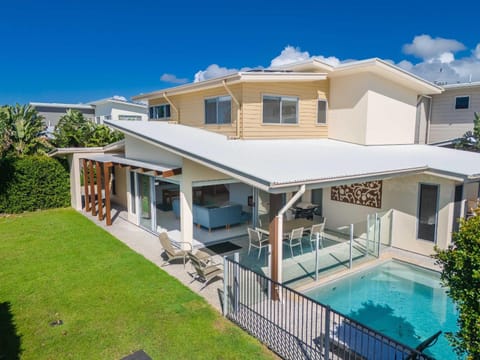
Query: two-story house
x=219, y=155
x=452, y=112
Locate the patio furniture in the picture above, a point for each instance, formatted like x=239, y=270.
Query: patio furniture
x=212, y=217
x=171, y=252
x=295, y=239
x=317, y=230
x=205, y=269
x=257, y=240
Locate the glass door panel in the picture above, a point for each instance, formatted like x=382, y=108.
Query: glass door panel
x=145, y=197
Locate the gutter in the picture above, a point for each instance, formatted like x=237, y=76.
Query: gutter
x=239, y=111
x=172, y=105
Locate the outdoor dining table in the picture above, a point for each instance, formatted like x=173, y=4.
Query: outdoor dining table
x=289, y=225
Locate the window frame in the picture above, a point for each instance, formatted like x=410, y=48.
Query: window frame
x=282, y=97
x=437, y=210
x=217, y=102
x=125, y=116
x=462, y=108
x=326, y=112
x=164, y=111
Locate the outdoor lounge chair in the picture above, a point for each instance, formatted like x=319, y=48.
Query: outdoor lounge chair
x=172, y=253
x=205, y=269
x=257, y=240
x=295, y=239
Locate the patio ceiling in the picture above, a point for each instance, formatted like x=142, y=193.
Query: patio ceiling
x=278, y=165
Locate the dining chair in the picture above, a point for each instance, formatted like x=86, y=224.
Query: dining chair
x=295, y=239
x=317, y=230
x=256, y=239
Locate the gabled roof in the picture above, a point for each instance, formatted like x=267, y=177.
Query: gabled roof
x=274, y=165
x=374, y=65
x=235, y=78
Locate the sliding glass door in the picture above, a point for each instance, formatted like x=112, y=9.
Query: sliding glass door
x=146, y=198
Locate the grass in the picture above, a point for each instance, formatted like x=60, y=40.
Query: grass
x=57, y=264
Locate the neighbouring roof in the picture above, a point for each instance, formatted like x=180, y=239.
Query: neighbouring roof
x=62, y=105
x=271, y=164
x=118, y=100
x=461, y=85
x=234, y=78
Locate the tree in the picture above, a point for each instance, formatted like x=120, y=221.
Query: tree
x=74, y=130
x=471, y=139
x=21, y=128
x=461, y=273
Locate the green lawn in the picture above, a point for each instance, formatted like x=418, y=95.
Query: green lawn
x=58, y=265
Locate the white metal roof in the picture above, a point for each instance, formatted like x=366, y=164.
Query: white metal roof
x=281, y=163
x=62, y=105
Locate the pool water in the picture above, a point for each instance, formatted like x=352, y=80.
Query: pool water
x=400, y=300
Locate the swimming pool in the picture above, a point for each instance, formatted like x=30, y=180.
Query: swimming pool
x=403, y=301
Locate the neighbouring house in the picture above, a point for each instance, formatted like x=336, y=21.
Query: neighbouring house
x=52, y=112
x=452, y=112
x=114, y=108
x=241, y=150
x=118, y=108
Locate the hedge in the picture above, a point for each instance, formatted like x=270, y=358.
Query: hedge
x=32, y=183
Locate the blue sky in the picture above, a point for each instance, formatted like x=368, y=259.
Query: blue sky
x=62, y=51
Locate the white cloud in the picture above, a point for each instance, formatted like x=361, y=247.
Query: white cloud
x=427, y=48
x=289, y=55
x=292, y=54
x=476, y=52
x=439, y=63
x=171, y=78
x=213, y=71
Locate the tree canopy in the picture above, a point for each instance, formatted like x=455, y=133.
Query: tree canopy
x=461, y=273
x=471, y=139
x=74, y=130
x=22, y=131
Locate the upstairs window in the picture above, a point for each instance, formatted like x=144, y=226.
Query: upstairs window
x=130, y=117
x=160, y=112
x=322, y=112
x=462, y=102
x=280, y=110
x=218, y=110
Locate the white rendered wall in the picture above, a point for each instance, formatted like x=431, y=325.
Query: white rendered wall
x=114, y=109
x=347, y=109
x=392, y=113
x=368, y=109
x=400, y=194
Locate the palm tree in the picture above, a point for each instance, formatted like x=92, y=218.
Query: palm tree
x=23, y=130
x=5, y=131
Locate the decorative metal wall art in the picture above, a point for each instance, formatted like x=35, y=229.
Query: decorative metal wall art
x=365, y=194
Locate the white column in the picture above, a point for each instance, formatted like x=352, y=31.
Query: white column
x=186, y=216
x=75, y=186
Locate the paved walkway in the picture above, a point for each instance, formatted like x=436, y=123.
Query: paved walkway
x=148, y=245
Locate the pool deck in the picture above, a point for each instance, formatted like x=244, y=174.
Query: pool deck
x=148, y=245
x=387, y=254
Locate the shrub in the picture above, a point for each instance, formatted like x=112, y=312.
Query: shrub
x=32, y=183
